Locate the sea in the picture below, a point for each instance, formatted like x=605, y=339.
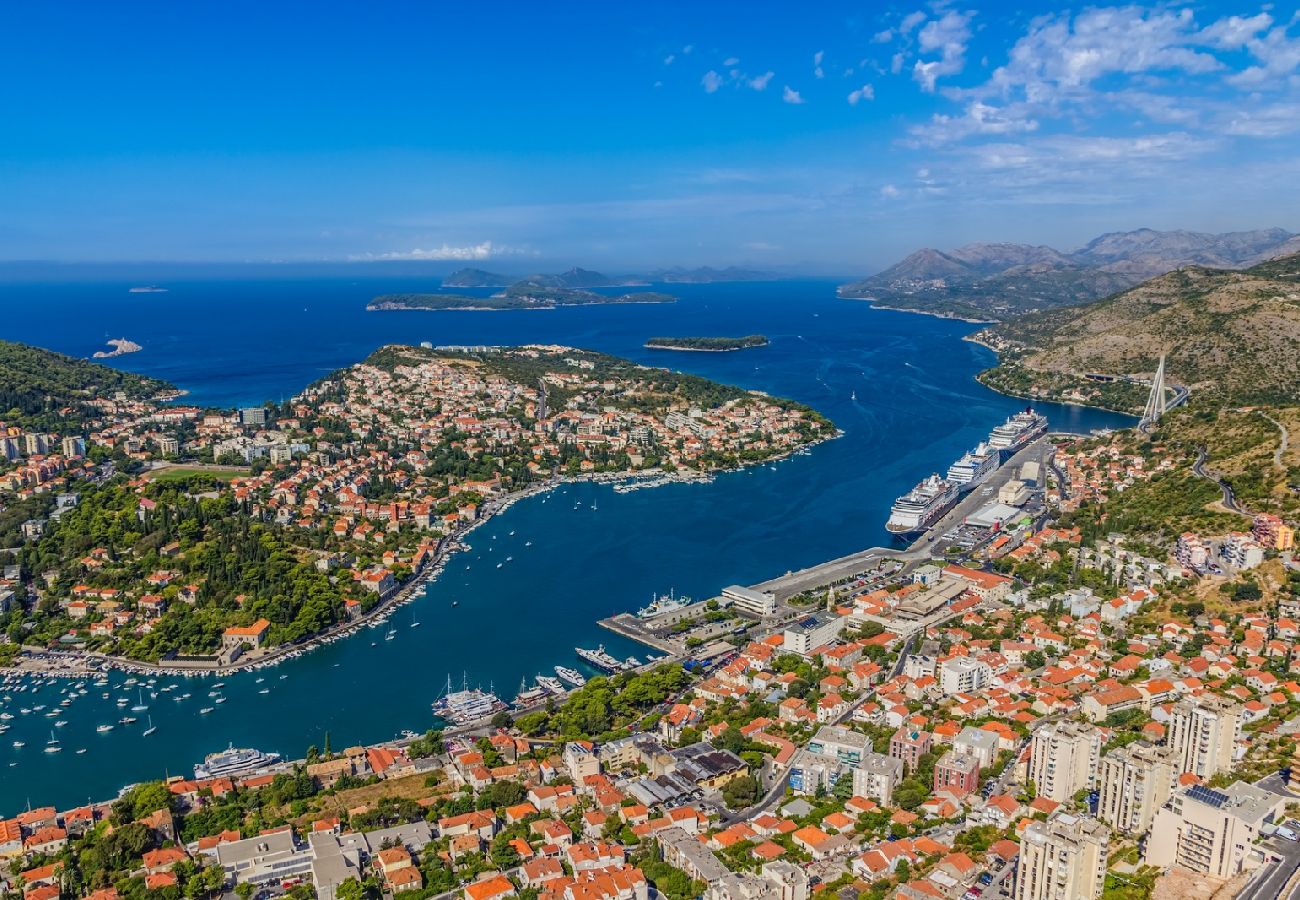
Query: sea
x=538, y=577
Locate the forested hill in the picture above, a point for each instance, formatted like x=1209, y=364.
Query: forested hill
x=41, y=389
x=1232, y=337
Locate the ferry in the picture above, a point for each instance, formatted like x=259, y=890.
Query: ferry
x=1018, y=430
x=234, y=762
x=550, y=684
x=463, y=707
x=664, y=603
x=920, y=507
x=600, y=659
x=973, y=467
x=570, y=676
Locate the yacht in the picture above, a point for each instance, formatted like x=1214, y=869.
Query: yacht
x=570, y=676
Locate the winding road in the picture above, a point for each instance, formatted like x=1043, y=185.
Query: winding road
x=1229, y=498
x=1283, y=445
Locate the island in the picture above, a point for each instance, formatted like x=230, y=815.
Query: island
x=175, y=536
x=524, y=295
x=707, y=344
x=121, y=347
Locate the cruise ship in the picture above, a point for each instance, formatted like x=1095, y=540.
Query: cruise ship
x=921, y=506
x=463, y=707
x=1018, y=430
x=973, y=467
x=600, y=659
x=233, y=762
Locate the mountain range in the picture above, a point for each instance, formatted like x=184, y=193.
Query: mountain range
x=1231, y=336
x=585, y=278
x=995, y=281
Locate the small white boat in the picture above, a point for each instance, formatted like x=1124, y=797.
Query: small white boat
x=150, y=730
x=104, y=729
x=20, y=743
x=205, y=710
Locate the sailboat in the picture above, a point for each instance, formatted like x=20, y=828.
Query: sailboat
x=141, y=706
x=52, y=745
x=150, y=730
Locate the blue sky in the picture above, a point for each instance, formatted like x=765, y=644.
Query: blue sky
x=828, y=137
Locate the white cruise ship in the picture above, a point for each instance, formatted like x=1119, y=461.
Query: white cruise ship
x=973, y=467
x=1018, y=430
x=463, y=707
x=921, y=506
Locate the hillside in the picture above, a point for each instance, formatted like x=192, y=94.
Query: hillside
x=475, y=278
x=41, y=389
x=1232, y=337
x=997, y=281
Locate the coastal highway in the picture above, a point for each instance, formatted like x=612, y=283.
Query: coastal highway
x=791, y=583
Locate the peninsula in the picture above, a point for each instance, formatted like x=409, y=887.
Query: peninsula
x=121, y=347
x=707, y=344
x=349, y=494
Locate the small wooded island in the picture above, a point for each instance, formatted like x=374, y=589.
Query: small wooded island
x=707, y=344
x=514, y=298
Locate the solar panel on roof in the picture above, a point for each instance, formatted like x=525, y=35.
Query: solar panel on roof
x=1208, y=796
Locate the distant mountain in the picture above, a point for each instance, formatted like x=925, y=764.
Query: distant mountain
x=998, y=281
x=475, y=278
x=574, y=278
x=710, y=275
x=1232, y=337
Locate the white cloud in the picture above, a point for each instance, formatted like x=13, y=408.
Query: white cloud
x=668, y=60
x=485, y=250
x=1235, y=31
x=896, y=63
x=711, y=81
x=978, y=119
x=790, y=95
x=889, y=191
x=1278, y=55
x=1269, y=121
x=731, y=61
x=948, y=37
x=686, y=51
x=910, y=21
x=883, y=37
x=759, y=82
x=817, y=63
x=866, y=92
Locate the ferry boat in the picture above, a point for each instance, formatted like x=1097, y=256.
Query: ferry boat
x=1018, y=430
x=600, y=659
x=973, y=467
x=921, y=506
x=570, y=676
x=234, y=762
x=463, y=707
x=550, y=684
x=664, y=603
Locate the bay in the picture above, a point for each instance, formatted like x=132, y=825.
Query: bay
x=899, y=385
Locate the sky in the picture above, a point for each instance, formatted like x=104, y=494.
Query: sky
x=821, y=137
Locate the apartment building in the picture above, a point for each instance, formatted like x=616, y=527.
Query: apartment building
x=1063, y=760
x=1063, y=858
x=1203, y=733
x=1134, y=781
x=1211, y=831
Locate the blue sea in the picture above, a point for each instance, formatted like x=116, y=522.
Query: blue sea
x=900, y=386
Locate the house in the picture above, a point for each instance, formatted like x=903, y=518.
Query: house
x=490, y=887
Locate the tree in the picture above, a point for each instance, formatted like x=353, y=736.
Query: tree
x=740, y=792
x=1034, y=659
x=244, y=890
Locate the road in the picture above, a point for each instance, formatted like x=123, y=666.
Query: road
x=1272, y=879
x=1283, y=445
x=1229, y=498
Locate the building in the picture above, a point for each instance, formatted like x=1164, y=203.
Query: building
x=957, y=773
x=1063, y=760
x=1134, y=781
x=74, y=446
x=757, y=603
x=1063, y=858
x=1240, y=551
x=963, y=675
x=1211, y=831
x=909, y=745
x=1203, y=732
x=981, y=744
x=253, y=635
x=1273, y=533
x=684, y=851
x=1192, y=552
x=169, y=446
x=815, y=631
x=779, y=881
x=253, y=415
x=876, y=777
x=845, y=744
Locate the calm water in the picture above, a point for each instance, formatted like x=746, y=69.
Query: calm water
x=917, y=407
